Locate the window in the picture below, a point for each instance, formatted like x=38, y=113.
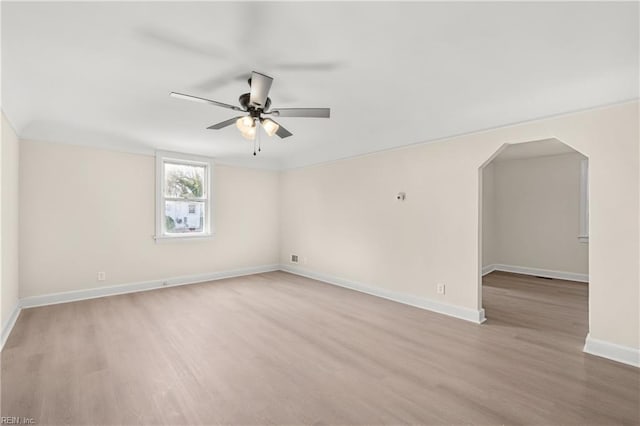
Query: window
x=584, y=201
x=183, y=196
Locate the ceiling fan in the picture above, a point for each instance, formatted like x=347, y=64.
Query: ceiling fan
x=256, y=105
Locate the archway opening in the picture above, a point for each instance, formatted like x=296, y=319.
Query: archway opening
x=534, y=238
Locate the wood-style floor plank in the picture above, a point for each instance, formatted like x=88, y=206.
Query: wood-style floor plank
x=281, y=349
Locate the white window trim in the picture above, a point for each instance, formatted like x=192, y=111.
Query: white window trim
x=584, y=202
x=161, y=158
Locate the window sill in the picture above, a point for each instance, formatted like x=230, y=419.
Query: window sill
x=167, y=238
x=583, y=239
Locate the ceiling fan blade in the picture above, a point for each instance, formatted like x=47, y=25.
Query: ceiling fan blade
x=203, y=100
x=260, y=85
x=302, y=112
x=282, y=132
x=224, y=124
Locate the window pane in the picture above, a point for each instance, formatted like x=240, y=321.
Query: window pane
x=183, y=180
x=184, y=216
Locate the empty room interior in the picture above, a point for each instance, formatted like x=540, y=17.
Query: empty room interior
x=338, y=213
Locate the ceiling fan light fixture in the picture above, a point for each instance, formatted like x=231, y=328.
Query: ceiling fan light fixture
x=249, y=133
x=247, y=127
x=270, y=126
x=244, y=123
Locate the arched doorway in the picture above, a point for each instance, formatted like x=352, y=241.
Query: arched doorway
x=533, y=245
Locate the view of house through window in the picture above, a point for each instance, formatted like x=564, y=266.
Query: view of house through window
x=183, y=197
x=184, y=182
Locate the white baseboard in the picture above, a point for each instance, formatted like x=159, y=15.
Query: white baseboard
x=8, y=325
x=613, y=351
x=560, y=275
x=92, y=293
x=472, y=315
x=488, y=269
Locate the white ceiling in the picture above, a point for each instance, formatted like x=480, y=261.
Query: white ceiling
x=394, y=74
x=542, y=148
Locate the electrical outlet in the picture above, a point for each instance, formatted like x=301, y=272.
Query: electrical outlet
x=102, y=276
x=294, y=258
x=440, y=288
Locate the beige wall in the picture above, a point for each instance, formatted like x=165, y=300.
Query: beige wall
x=532, y=209
x=85, y=210
x=344, y=219
x=9, y=153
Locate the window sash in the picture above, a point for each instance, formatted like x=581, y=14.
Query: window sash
x=182, y=224
x=198, y=164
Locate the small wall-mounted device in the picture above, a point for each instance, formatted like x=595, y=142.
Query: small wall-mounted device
x=294, y=258
x=401, y=196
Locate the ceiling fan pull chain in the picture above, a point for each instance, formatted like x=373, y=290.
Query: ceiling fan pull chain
x=255, y=136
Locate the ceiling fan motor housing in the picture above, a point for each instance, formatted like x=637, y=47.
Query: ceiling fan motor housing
x=244, y=100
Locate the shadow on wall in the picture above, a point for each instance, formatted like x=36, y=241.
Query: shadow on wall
x=58, y=131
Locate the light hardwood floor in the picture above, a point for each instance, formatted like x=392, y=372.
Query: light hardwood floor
x=280, y=349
